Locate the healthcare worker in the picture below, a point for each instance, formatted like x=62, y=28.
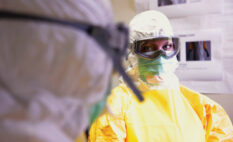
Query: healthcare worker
x=56, y=60
x=169, y=112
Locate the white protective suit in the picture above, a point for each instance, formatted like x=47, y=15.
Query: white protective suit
x=50, y=74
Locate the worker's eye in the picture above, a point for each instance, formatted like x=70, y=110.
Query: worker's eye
x=147, y=48
x=168, y=47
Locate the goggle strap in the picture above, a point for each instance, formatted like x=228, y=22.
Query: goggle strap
x=22, y=16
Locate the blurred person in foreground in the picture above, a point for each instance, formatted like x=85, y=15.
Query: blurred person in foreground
x=170, y=112
x=56, y=60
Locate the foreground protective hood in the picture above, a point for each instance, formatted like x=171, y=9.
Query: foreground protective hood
x=49, y=74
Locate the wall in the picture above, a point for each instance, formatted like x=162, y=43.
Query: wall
x=124, y=11
x=225, y=100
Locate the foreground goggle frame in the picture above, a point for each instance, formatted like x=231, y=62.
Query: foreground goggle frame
x=106, y=38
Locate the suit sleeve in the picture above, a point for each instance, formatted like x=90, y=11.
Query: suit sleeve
x=216, y=122
x=218, y=125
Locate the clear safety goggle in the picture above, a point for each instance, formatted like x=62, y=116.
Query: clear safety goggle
x=113, y=39
x=156, y=47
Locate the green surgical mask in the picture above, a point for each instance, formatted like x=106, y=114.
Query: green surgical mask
x=156, y=67
x=99, y=107
x=96, y=110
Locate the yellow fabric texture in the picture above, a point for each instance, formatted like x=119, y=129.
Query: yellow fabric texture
x=166, y=115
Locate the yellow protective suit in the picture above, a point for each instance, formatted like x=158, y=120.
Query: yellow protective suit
x=166, y=115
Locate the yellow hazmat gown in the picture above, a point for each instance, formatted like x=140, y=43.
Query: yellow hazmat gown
x=166, y=115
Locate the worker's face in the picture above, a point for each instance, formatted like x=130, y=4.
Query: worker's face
x=152, y=69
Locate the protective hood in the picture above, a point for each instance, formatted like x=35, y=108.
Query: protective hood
x=148, y=25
